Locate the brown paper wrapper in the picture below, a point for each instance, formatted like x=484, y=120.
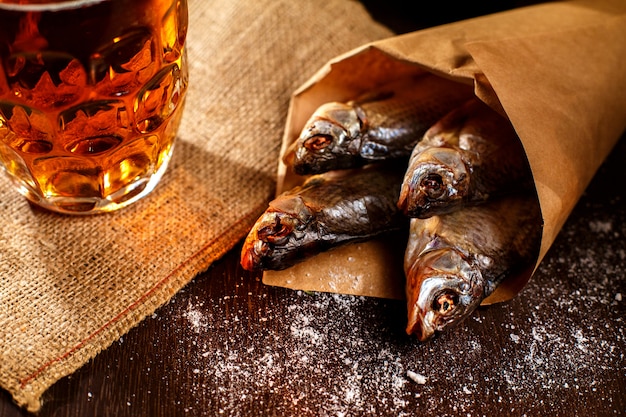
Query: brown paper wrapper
x=556, y=70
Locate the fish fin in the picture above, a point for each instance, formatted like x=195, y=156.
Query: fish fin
x=434, y=244
x=373, y=151
x=372, y=96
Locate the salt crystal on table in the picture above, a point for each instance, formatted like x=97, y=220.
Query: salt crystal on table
x=415, y=377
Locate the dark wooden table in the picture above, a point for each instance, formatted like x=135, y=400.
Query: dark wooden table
x=229, y=345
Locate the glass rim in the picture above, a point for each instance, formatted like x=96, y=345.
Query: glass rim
x=52, y=5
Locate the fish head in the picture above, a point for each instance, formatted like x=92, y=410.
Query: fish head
x=437, y=181
x=282, y=225
x=443, y=288
x=330, y=140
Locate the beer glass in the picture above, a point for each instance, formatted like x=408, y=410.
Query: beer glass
x=91, y=96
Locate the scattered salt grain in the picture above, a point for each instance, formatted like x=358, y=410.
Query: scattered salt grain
x=196, y=318
x=618, y=296
x=600, y=226
x=415, y=377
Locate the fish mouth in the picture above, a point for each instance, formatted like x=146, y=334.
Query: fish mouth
x=248, y=260
x=253, y=253
x=420, y=320
x=412, y=204
x=419, y=325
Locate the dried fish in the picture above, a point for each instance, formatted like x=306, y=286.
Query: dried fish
x=383, y=125
x=454, y=261
x=470, y=155
x=327, y=210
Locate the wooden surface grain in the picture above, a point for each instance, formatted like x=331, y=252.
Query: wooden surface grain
x=229, y=345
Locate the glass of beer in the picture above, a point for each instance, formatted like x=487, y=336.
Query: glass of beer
x=91, y=96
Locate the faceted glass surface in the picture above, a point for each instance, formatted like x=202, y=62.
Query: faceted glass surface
x=90, y=100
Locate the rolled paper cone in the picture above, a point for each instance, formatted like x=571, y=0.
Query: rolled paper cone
x=556, y=70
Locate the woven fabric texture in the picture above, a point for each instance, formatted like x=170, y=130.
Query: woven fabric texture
x=71, y=286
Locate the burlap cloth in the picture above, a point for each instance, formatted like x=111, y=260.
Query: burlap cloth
x=71, y=286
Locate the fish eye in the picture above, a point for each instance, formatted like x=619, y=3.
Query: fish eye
x=445, y=302
x=318, y=142
x=275, y=231
x=433, y=185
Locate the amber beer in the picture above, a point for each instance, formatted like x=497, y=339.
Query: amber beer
x=91, y=96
